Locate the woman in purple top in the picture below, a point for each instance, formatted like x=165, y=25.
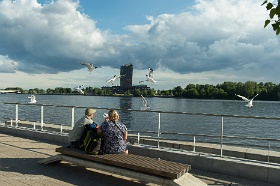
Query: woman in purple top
x=114, y=133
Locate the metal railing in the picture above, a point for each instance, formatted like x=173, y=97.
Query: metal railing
x=160, y=134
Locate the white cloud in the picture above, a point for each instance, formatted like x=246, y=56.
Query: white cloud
x=216, y=38
x=7, y=65
x=52, y=36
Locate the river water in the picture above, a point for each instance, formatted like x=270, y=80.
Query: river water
x=169, y=122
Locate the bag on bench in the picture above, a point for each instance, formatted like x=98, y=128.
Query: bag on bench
x=90, y=140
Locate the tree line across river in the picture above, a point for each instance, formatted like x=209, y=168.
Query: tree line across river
x=227, y=90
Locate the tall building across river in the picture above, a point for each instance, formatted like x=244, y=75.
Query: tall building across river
x=126, y=81
x=127, y=70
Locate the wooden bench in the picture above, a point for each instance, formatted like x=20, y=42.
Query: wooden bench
x=142, y=168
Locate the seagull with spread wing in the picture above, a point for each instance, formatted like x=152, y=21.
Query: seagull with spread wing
x=145, y=104
x=150, y=77
x=114, y=78
x=249, y=101
x=89, y=66
x=32, y=99
x=79, y=89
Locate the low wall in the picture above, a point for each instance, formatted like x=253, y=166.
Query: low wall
x=231, y=166
x=210, y=148
x=61, y=139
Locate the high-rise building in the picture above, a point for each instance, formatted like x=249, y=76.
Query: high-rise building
x=126, y=81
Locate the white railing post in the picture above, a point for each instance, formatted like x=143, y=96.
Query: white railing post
x=222, y=134
x=16, y=115
x=138, y=138
x=158, y=127
x=73, y=118
x=11, y=122
x=268, y=151
x=194, y=143
x=42, y=117
x=34, y=125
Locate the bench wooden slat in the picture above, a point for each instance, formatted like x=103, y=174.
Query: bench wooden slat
x=143, y=161
x=153, y=166
x=158, y=166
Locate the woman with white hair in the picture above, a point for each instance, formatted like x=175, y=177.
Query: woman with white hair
x=114, y=134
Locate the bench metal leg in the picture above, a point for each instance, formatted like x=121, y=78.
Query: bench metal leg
x=51, y=159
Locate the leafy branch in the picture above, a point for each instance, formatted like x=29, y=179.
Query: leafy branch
x=274, y=10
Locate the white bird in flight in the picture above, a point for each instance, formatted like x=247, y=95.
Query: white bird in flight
x=114, y=78
x=79, y=89
x=105, y=115
x=32, y=99
x=145, y=104
x=249, y=101
x=150, y=77
x=89, y=66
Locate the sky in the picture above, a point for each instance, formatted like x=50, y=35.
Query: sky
x=44, y=42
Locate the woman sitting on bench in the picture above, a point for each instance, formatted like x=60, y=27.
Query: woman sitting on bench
x=114, y=133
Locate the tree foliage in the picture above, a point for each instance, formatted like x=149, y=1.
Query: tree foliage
x=274, y=15
x=227, y=90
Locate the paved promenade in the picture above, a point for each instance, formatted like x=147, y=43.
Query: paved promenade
x=18, y=166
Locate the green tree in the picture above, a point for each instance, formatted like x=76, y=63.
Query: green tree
x=31, y=91
x=127, y=93
x=178, y=91
x=137, y=93
x=144, y=93
x=202, y=92
x=218, y=93
x=277, y=92
x=50, y=91
x=151, y=92
x=95, y=91
x=229, y=88
x=191, y=93
x=274, y=11
x=209, y=91
x=108, y=92
x=250, y=88
x=239, y=88
x=89, y=90
x=166, y=93
x=68, y=90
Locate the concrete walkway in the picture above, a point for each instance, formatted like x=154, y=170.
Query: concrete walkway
x=18, y=166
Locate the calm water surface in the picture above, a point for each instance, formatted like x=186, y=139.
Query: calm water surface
x=193, y=124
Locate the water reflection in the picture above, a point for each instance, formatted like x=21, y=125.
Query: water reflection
x=125, y=115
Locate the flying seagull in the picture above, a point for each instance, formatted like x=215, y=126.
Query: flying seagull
x=150, y=77
x=89, y=66
x=145, y=104
x=79, y=89
x=32, y=99
x=249, y=101
x=114, y=78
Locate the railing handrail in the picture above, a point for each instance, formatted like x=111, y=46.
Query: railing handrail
x=206, y=135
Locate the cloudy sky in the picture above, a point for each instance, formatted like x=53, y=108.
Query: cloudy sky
x=43, y=42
